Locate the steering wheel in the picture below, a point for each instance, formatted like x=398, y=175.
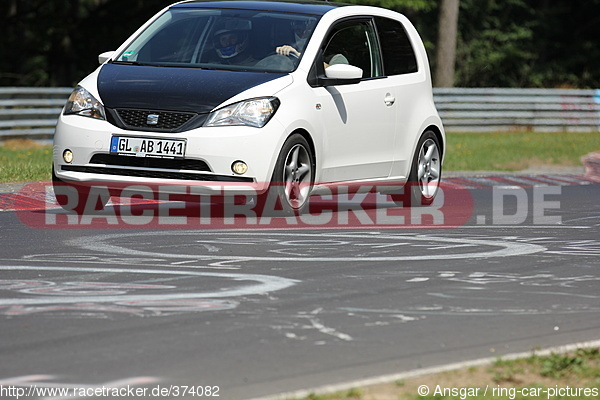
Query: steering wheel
x=278, y=62
x=291, y=53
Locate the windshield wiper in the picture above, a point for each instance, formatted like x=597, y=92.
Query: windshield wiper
x=135, y=63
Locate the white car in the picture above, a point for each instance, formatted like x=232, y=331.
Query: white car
x=239, y=96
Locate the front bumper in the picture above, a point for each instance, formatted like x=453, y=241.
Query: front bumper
x=210, y=153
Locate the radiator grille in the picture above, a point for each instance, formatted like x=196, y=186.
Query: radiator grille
x=155, y=174
x=149, y=162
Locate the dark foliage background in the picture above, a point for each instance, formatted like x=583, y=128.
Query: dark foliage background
x=501, y=43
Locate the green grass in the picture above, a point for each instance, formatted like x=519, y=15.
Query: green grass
x=352, y=394
x=511, y=151
x=537, y=376
x=24, y=160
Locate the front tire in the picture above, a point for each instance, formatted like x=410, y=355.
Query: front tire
x=292, y=179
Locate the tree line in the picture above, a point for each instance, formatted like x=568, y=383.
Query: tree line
x=498, y=43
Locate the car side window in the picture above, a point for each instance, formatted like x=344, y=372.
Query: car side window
x=354, y=43
x=398, y=53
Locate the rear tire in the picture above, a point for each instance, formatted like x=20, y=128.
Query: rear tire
x=425, y=174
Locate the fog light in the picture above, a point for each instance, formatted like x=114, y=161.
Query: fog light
x=239, y=167
x=68, y=156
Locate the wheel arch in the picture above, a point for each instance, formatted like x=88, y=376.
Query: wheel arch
x=307, y=136
x=438, y=133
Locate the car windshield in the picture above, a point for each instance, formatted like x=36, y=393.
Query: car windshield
x=221, y=39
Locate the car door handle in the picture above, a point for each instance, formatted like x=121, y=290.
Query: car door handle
x=389, y=99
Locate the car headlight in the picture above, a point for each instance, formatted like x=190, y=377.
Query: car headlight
x=81, y=102
x=254, y=112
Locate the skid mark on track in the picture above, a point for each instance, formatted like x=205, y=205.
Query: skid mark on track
x=491, y=293
x=307, y=247
x=135, y=297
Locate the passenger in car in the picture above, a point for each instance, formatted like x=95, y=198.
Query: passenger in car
x=301, y=34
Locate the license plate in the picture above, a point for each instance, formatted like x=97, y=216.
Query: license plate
x=147, y=147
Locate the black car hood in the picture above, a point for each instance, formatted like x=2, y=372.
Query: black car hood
x=176, y=89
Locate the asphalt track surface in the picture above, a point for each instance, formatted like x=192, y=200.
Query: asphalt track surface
x=253, y=313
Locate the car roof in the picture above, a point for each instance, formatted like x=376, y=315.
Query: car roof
x=302, y=7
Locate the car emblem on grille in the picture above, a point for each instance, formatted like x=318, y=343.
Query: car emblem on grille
x=152, y=119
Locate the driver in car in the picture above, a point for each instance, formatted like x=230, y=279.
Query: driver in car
x=231, y=48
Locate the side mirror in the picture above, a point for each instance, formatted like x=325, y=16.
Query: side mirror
x=344, y=72
x=104, y=57
x=335, y=75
